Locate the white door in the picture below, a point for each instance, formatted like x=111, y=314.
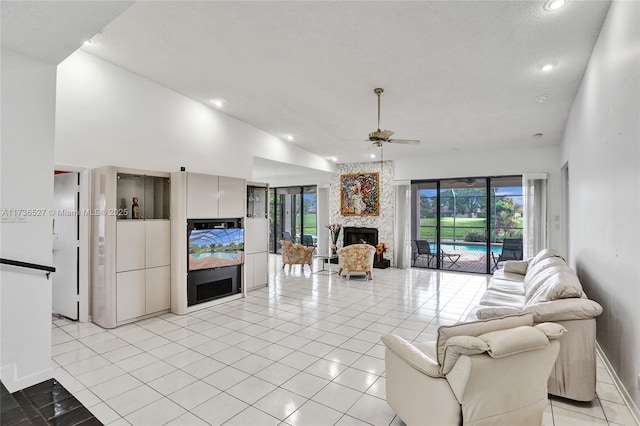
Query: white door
x=65, y=245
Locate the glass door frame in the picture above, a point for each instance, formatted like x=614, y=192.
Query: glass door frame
x=279, y=216
x=436, y=184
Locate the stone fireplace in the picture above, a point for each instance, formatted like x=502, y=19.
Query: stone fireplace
x=360, y=235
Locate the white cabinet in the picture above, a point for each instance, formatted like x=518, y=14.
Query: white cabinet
x=202, y=196
x=131, y=258
x=130, y=245
x=143, y=278
x=130, y=294
x=231, y=197
x=157, y=243
x=256, y=270
x=212, y=197
x=256, y=246
x=157, y=289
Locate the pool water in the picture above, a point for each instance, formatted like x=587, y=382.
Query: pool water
x=219, y=254
x=466, y=247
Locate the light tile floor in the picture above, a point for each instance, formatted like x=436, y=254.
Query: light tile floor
x=304, y=351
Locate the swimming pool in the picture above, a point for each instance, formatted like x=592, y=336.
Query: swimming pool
x=473, y=248
x=219, y=254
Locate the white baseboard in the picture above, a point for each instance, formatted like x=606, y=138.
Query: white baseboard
x=13, y=383
x=635, y=412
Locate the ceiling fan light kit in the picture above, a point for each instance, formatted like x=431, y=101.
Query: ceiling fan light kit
x=380, y=136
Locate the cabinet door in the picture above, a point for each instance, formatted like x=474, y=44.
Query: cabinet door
x=158, y=243
x=260, y=269
x=256, y=235
x=248, y=271
x=130, y=295
x=232, y=195
x=202, y=196
x=130, y=245
x=158, y=289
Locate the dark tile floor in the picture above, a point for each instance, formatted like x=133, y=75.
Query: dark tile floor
x=47, y=403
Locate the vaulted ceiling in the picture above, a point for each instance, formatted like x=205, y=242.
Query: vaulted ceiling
x=458, y=75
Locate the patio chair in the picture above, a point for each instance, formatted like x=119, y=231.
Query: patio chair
x=422, y=248
x=452, y=257
x=307, y=240
x=511, y=250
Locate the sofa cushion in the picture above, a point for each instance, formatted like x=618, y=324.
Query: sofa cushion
x=560, y=284
x=476, y=328
x=532, y=285
x=500, y=298
x=516, y=266
x=544, y=254
x=507, y=276
x=506, y=286
x=540, y=267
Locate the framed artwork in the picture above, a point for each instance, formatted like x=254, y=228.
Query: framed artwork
x=360, y=194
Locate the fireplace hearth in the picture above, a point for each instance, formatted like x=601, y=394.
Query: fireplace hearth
x=359, y=235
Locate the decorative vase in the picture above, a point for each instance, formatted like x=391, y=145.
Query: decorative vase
x=334, y=249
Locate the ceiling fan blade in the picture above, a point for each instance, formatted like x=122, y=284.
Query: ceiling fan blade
x=386, y=134
x=404, y=141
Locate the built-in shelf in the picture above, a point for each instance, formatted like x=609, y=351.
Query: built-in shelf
x=152, y=194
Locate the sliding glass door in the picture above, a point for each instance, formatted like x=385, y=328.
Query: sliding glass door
x=460, y=224
x=293, y=216
x=463, y=224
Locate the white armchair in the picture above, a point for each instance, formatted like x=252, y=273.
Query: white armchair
x=481, y=373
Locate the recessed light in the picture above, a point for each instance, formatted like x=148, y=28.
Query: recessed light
x=89, y=42
x=334, y=159
x=537, y=135
x=548, y=66
x=543, y=98
x=218, y=103
x=289, y=137
x=372, y=155
x=554, y=4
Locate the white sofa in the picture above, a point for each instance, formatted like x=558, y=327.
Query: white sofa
x=547, y=287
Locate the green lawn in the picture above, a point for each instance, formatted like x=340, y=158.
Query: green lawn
x=463, y=226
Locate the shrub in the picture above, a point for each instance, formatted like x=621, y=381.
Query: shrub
x=475, y=237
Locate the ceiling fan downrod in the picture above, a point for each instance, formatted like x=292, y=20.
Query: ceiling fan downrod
x=378, y=91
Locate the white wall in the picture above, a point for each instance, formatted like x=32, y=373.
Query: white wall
x=28, y=115
x=494, y=163
x=109, y=116
x=602, y=147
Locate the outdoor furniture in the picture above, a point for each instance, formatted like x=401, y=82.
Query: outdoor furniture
x=296, y=254
x=356, y=258
x=423, y=248
x=307, y=240
x=452, y=257
x=286, y=236
x=511, y=250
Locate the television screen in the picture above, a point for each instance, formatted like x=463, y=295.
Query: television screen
x=214, y=248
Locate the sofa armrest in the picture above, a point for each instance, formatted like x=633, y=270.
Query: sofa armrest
x=411, y=355
x=488, y=312
x=552, y=330
x=564, y=310
x=512, y=341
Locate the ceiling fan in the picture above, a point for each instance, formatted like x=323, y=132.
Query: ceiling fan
x=380, y=136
